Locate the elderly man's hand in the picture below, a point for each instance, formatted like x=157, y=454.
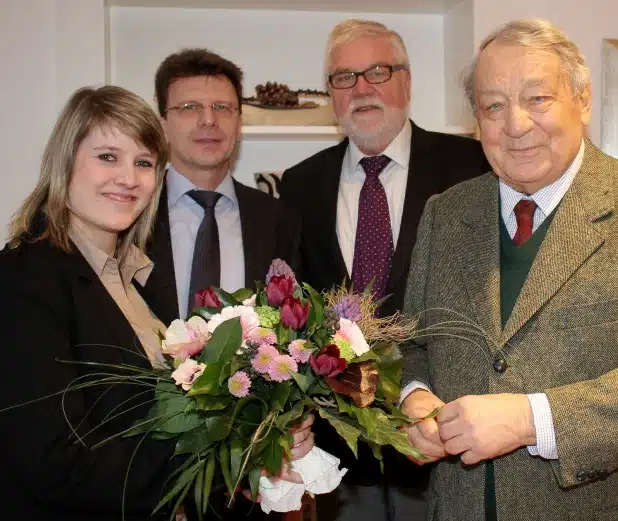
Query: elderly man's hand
x=303, y=443
x=424, y=434
x=487, y=426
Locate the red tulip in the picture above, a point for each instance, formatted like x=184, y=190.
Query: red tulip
x=279, y=287
x=207, y=298
x=294, y=313
x=328, y=361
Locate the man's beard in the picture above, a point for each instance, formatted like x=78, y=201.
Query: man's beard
x=378, y=136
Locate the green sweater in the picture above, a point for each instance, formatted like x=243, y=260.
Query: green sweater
x=515, y=264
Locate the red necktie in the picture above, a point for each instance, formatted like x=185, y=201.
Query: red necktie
x=373, y=247
x=524, y=213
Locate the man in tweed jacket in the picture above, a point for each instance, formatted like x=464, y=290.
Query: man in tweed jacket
x=528, y=425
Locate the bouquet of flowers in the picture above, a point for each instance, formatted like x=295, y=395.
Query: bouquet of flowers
x=246, y=367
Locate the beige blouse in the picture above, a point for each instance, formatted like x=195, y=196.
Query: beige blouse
x=117, y=278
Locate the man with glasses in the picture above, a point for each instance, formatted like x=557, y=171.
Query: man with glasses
x=360, y=203
x=211, y=229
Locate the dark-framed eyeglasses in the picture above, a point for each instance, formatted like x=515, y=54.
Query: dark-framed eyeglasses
x=192, y=109
x=373, y=75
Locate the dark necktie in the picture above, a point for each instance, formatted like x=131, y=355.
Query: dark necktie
x=206, y=268
x=524, y=214
x=373, y=246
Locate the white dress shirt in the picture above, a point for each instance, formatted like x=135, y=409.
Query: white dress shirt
x=185, y=218
x=394, y=179
x=546, y=199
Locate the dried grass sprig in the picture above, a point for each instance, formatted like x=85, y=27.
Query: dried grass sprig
x=395, y=328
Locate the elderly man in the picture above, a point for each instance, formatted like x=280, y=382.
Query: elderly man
x=360, y=203
x=526, y=256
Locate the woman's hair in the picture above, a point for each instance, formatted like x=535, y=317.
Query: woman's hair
x=45, y=213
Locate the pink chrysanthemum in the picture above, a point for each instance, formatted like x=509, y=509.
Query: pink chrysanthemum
x=262, y=336
x=300, y=351
x=282, y=367
x=239, y=384
x=264, y=357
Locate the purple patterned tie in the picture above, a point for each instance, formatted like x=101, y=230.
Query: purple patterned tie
x=373, y=249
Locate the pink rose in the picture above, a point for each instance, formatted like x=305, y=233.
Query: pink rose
x=187, y=372
x=185, y=339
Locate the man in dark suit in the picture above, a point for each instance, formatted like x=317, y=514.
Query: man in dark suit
x=528, y=419
x=360, y=203
x=210, y=229
x=235, y=227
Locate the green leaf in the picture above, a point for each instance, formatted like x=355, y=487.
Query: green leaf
x=254, y=481
x=198, y=489
x=377, y=453
x=273, y=455
x=389, y=388
x=208, y=381
x=369, y=355
x=320, y=389
x=348, y=432
x=284, y=420
x=302, y=381
x=212, y=403
x=205, y=312
x=209, y=431
x=185, y=479
x=279, y=397
x=316, y=311
x=224, y=342
x=227, y=299
x=367, y=418
x=386, y=433
x=224, y=462
x=242, y=294
x=209, y=474
x=236, y=451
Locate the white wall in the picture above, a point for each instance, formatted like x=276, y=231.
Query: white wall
x=458, y=48
x=586, y=23
x=609, y=96
x=47, y=49
x=282, y=46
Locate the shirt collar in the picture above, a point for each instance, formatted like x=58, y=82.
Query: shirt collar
x=548, y=197
x=136, y=264
x=178, y=185
x=398, y=149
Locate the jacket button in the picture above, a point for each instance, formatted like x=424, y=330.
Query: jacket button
x=500, y=365
x=593, y=474
x=581, y=476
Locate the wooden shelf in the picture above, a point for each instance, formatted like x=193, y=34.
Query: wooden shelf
x=283, y=132
x=291, y=132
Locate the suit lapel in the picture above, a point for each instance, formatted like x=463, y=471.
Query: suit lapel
x=420, y=186
x=253, y=252
x=572, y=238
x=478, y=252
x=331, y=175
x=160, y=291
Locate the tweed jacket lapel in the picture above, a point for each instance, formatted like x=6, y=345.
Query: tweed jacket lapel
x=573, y=236
x=479, y=256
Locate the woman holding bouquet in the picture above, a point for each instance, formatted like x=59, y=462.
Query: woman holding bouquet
x=68, y=282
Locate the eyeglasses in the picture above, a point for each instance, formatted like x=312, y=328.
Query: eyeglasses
x=193, y=109
x=373, y=75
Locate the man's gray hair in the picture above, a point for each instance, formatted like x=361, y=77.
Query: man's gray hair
x=350, y=30
x=539, y=35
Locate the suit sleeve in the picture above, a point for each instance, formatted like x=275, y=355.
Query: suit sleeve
x=39, y=450
x=586, y=424
x=416, y=363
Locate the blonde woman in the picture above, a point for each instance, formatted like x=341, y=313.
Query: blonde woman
x=68, y=280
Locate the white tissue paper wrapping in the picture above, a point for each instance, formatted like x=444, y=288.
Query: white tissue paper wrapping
x=320, y=472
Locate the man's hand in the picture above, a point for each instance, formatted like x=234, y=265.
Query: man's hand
x=424, y=434
x=487, y=426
